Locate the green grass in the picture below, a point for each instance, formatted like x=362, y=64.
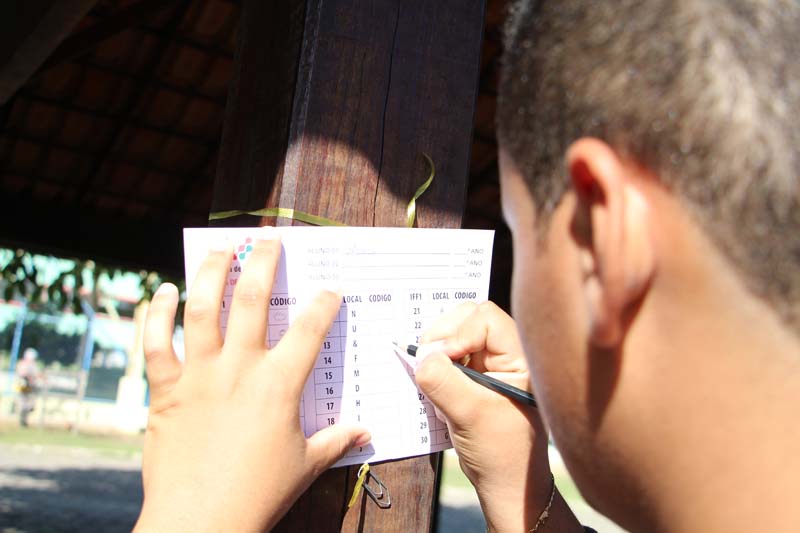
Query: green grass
x=567, y=487
x=116, y=445
x=452, y=475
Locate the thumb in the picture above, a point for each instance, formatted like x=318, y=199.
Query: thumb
x=451, y=392
x=327, y=446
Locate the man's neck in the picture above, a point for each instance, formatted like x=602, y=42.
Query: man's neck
x=721, y=396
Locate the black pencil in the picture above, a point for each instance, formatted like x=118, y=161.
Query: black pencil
x=509, y=391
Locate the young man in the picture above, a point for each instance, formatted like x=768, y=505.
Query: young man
x=649, y=165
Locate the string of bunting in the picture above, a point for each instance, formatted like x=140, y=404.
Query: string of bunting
x=316, y=220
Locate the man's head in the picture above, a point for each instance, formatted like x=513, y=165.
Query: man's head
x=650, y=159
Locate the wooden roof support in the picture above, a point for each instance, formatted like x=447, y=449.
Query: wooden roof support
x=29, y=32
x=331, y=104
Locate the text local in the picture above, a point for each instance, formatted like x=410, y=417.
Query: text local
x=373, y=298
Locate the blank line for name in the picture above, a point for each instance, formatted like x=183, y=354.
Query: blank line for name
x=399, y=278
x=403, y=253
x=356, y=267
x=399, y=266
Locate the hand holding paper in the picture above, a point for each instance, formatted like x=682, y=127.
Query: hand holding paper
x=224, y=447
x=394, y=281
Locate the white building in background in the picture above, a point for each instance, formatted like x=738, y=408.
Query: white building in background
x=93, y=363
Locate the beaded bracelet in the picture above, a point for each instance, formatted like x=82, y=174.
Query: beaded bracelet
x=546, y=513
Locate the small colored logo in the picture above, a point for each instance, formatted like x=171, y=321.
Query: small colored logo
x=243, y=250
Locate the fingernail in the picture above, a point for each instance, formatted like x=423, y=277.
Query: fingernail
x=364, y=439
x=219, y=245
x=266, y=233
x=332, y=286
x=166, y=289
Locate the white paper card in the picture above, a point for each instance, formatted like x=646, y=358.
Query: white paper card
x=395, y=282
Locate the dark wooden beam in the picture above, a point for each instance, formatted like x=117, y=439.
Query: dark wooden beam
x=258, y=112
x=29, y=31
x=73, y=232
x=331, y=105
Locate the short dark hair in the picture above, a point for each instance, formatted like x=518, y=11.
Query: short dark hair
x=704, y=93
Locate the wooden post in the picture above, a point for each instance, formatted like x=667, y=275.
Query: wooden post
x=331, y=105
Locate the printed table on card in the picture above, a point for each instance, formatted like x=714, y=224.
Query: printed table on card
x=394, y=283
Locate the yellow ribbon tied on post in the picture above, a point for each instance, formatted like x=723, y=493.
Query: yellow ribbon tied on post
x=362, y=476
x=315, y=220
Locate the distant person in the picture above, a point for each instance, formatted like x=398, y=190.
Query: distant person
x=650, y=174
x=29, y=380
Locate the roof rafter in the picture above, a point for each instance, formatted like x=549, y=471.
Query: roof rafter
x=81, y=151
x=134, y=99
x=88, y=39
x=115, y=117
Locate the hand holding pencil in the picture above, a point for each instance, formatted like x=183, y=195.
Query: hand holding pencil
x=500, y=387
x=501, y=443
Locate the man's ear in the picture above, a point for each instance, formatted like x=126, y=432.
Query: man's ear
x=611, y=227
